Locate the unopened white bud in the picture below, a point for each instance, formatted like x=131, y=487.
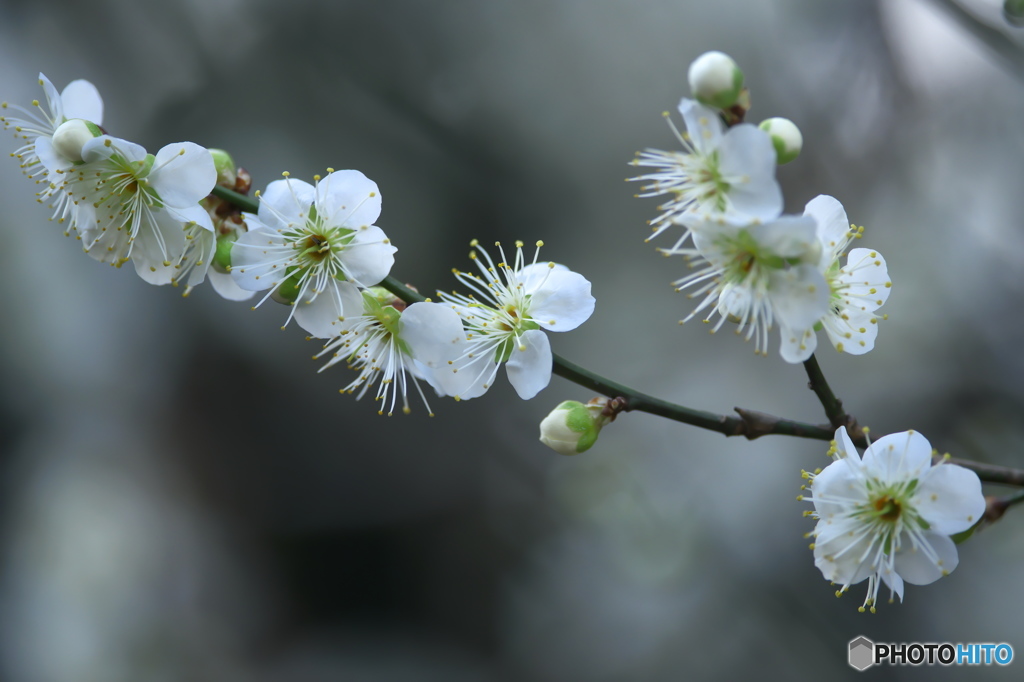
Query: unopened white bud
x=785, y=136
x=573, y=427
x=71, y=136
x=715, y=80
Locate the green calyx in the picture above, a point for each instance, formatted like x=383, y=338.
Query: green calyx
x=723, y=99
x=583, y=420
x=388, y=317
x=783, y=154
x=288, y=291
x=222, y=256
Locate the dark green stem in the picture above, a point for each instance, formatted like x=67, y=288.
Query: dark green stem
x=240, y=200
x=833, y=406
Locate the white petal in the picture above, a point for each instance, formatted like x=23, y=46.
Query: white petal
x=748, y=165
x=252, y=258
x=835, y=484
x=529, y=367
x=285, y=202
x=917, y=568
x=866, y=278
x=183, y=174
x=833, y=227
x=898, y=457
x=844, y=445
x=49, y=157
x=796, y=345
x=851, y=331
x=158, y=246
x=703, y=125
x=838, y=555
x=347, y=198
x=563, y=302
x=434, y=333
x=53, y=100
x=789, y=237
x=81, y=99
x=367, y=259
x=323, y=315
x=949, y=498
x=193, y=213
x=799, y=296
x=533, y=276
x=468, y=378
x=735, y=300
x=894, y=581
x=97, y=149
x=224, y=284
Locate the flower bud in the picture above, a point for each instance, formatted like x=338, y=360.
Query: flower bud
x=715, y=80
x=385, y=298
x=225, y=166
x=785, y=136
x=71, y=136
x=572, y=427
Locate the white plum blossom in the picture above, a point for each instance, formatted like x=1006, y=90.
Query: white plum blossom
x=65, y=118
x=134, y=205
x=726, y=175
x=313, y=245
x=396, y=344
x=759, y=276
x=505, y=315
x=857, y=289
x=887, y=517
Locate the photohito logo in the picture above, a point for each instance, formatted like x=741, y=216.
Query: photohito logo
x=863, y=653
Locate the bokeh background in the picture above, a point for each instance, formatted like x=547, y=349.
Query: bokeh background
x=185, y=498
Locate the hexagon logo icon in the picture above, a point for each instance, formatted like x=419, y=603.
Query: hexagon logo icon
x=862, y=653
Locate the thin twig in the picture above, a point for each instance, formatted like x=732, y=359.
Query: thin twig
x=833, y=406
x=750, y=424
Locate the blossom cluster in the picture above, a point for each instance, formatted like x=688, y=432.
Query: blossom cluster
x=886, y=517
x=314, y=247
x=749, y=263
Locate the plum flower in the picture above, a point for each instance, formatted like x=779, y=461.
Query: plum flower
x=857, y=289
x=513, y=303
x=312, y=245
x=887, y=516
x=722, y=174
x=759, y=276
x=396, y=344
x=137, y=206
x=44, y=158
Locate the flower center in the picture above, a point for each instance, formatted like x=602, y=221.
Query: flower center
x=315, y=247
x=887, y=508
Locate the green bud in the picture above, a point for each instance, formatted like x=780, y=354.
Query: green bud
x=222, y=256
x=715, y=80
x=288, y=291
x=225, y=165
x=786, y=138
x=573, y=427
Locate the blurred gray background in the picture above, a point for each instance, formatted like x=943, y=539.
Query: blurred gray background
x=185, y=498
